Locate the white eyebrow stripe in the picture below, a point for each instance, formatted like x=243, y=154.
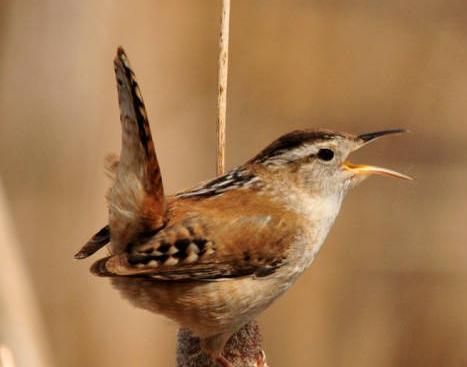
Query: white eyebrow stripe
x=292, y=155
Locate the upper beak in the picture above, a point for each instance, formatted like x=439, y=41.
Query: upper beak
x=363, y=169
x=366, y=138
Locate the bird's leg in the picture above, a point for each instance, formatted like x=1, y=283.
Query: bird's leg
x=222, y=350
x=213, y=347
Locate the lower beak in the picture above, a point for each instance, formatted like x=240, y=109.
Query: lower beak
x=363, y=169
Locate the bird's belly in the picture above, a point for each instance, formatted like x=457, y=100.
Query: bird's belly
x=207, y=308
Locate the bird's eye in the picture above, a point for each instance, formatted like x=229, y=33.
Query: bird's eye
x=325, y=154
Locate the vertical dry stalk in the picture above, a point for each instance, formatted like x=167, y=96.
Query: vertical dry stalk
x=6, y=357
x=22, y=333
x=244, y=347
x=222, y=85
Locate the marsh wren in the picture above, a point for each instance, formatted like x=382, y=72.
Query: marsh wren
x=215, y=256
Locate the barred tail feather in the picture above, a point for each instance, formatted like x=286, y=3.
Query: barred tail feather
x=116, y=265
x=99, y=268
x=99, y=240
x=136, y=200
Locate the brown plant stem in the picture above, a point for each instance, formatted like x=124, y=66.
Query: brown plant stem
x=222, y=85
x=242, y=350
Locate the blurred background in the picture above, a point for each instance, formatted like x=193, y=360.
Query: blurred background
x=390, y=286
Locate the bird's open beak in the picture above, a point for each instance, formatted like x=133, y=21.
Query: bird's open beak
x=363, y=169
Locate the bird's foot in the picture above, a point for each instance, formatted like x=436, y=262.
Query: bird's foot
x=261, y=360
x=223, y=362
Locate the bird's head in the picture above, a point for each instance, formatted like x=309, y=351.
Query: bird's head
x=317, y=160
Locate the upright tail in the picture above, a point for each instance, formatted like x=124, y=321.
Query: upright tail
x=136, y=200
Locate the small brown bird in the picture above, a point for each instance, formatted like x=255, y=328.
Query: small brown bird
x=215, y=256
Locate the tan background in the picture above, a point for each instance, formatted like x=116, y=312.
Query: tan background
x=390, y=286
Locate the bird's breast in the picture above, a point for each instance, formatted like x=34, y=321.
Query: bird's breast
x=319, y=214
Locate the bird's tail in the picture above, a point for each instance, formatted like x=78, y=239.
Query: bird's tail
x=136, y=199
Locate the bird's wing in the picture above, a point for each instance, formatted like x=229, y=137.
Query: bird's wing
x=211, y=247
